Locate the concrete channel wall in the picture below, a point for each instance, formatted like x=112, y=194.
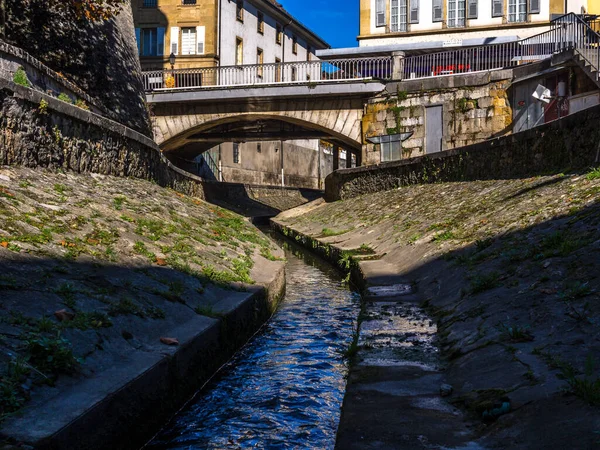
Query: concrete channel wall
x=566, y=144
x=126, y=408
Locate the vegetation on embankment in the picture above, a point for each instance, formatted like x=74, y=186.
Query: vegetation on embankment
x=96, y=268
x=510, y=270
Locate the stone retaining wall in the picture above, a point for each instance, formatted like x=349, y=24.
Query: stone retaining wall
x=58, y=135
x=41, y=77
x=566, y=144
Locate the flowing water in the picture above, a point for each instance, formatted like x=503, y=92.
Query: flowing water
x=285, y=388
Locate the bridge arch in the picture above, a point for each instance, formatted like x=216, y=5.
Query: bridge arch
x=340, y=119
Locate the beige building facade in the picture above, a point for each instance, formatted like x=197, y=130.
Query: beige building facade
x=210, y=33
x=450, y=22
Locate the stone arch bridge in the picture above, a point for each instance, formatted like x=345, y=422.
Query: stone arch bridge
x=330, y=111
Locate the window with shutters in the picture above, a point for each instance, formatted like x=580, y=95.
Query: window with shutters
x=534, y=6
x=438, y=11
x=200, y=38
x=472, y=9
x=260, y=59
x=517, y=11
x=414, y=11
x=239, y=10
x=379, y=13
x=239, y=51
x=277, y=70
x=456, y=13
x=188, y=41
x=278, y=34
x=294, y=45
x=149, y=45
x=497, y=8
x=398, y=15
x=260, y=24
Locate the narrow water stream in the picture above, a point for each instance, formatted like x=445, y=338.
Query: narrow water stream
x=285, y=388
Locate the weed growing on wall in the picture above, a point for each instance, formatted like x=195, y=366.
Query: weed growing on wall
x=20, y=78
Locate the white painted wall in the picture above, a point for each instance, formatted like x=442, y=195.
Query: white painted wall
x=484, y=19
x=247, y=31
x=437, y=37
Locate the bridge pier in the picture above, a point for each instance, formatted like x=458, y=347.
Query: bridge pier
x=336, y=157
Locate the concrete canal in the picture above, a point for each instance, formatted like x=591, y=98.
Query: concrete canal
x=285, y=388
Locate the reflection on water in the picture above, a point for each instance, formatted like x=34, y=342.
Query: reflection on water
x=285, y=388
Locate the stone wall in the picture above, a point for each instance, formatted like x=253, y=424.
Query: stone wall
x=58, y=135
x=570, y=143
x=99, y=57
x=475, y=108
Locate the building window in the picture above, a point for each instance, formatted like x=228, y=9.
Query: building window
x=456, y=13
x=277, y=70
x=308, y=53
x=497, y=8
x=294, y=45
x=260, y=24
x=150, y=3
x=398, y=15
x=239, y=10
x=239, y=51
x=278, y=34
x=294, y=73
x=188, y=41
x=149, y=42
x=259, y=60
x=259, y=147
x=236, y=153
x=188, y=2
x=517, y=11
x=379, y=13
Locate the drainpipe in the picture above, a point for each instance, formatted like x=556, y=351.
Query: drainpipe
x=282, y=174
x=219, y=38
x=283, y=49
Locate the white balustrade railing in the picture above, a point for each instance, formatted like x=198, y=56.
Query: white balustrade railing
x=569, y=32
x=277, y=73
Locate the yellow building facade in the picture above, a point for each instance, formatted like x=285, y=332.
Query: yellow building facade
x=415, y=21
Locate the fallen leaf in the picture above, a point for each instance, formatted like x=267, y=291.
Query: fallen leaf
x=161, y=262
x=93, y=241
x=4, y=244
x=63, y=315
x=169, y=341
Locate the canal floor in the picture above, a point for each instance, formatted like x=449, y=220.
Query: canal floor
x=285, y=388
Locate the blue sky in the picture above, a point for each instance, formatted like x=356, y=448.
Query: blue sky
x=336, y=21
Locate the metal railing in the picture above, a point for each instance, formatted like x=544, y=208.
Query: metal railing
x=569, y=32
x=581, y=36
x=275, y=73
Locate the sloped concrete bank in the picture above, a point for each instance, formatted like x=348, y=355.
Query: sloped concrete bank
x=507, y=269
x=118, y=300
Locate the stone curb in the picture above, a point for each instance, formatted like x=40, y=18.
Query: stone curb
x=135, y=401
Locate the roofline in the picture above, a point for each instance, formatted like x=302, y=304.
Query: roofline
x=377, y=50
x=293, y=21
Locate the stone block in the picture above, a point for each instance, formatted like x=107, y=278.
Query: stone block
x=484, y=102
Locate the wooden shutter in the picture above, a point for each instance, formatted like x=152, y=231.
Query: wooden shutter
x=175, y=40
x=137, y=38
x=497, y=8
x=472, y=9
x=438, y=11
x=379, y=13
x=200, y=38
x=160, y=41
x=534, y=6
x=414, y=11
